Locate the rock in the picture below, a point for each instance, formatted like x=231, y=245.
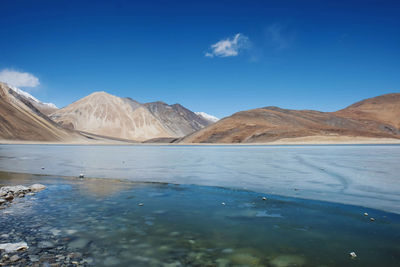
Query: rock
x=30, y=194
x=13, y=247
x=15, y=258
x=264, y=198
x=78, y=244
x=365, y=214
x=9, y=197
x=244, y=259
x=33, y=258
x=111, y=261
x=287, y=260
x=81, y=175
x=2, y=201
x=353, y=255
x=45, y=244
x=37, y=187
x=223, y=203
x=372, y=219
x=140, y=204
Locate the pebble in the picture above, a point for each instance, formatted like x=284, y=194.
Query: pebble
x=372, y=219
x=365, y=214
x=140, y=204
x=223, y=203
x=264, y=198
x=15, y=258
x=353, y=254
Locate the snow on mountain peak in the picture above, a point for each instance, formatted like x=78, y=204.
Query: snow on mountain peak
x=207, y=116
x=31, y=97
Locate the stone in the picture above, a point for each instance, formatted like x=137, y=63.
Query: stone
x=244, y=259
x=78, y=243
x=223, y=203
x=37, y=187
x=2, y=201
x=353, y=254
x=372, y=219
x=365, y=214
x=9, y=197
x=45, y=244
x=81, y=175
x=264, y=198
x=13, y=247
x=140, y=204
x=14, y=258
x=33, y=258
x=111, y=261
x=288, y=260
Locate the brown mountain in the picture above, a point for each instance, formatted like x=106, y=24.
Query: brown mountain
x=384, y=108
x=375, y=117
x=107, y=115
x=21, y=120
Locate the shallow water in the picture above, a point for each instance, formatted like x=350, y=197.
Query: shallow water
x=99, y=222
x=366, y=175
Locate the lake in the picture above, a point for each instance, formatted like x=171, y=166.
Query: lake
x=203, y=205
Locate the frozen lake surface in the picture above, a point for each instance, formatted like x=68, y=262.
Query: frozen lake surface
x=365, y=175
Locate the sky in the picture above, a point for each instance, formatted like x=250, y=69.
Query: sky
x=219, y=57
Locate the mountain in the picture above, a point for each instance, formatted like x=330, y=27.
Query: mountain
x=369, y=118
x=207, y=117
x=107, y=115
x=177, y=119
x=384, y=108
x=45, y=108
x=21, y=120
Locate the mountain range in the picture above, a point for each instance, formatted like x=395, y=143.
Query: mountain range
x=101, y=116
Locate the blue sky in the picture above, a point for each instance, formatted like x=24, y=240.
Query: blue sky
x=214, y=56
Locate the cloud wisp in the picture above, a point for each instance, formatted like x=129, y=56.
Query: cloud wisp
x=279, y=37
x=229, y=47
x=18, y=79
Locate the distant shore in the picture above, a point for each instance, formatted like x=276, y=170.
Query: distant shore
x=308, y=140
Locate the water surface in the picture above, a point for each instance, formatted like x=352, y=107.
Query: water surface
x=94, y=222
x=366, y=175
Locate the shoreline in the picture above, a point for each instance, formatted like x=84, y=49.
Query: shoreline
x=308, y=140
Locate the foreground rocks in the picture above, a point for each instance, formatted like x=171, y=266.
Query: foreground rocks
x=8, y=193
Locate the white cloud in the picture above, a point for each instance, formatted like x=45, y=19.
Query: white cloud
x=229, y=47
x=18, y=79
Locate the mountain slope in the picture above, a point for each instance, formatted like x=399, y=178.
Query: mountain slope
x=20, y=120
x=384, y=108
x=272, y=123
x=45, y=108
x=177, y=119
x=104, y=114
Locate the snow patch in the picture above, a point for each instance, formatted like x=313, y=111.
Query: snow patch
x=30, y=97
x=207, y=116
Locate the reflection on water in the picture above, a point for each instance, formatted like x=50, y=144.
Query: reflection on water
x=81, y=221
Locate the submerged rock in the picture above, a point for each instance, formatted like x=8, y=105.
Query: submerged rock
x=13, y=247
x=288, y=260
x=353, y=255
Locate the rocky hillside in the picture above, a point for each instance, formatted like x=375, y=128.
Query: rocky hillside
x=376, y=117
x=384, y=108
x=107, y=115
x=21, y=120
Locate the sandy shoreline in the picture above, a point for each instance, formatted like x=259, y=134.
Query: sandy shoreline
x=308, y=140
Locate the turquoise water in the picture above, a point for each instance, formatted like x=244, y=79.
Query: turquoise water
x=99, y=222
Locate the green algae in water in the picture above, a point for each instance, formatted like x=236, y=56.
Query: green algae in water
x=100, y=223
